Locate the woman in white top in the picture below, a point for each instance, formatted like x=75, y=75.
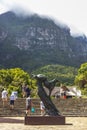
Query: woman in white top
x=4, y=96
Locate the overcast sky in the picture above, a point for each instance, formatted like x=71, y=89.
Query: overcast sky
x=70, y=12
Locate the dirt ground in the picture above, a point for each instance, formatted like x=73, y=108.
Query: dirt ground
x=17, y=123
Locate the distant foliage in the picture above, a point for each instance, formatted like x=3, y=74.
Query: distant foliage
x=64, y=74
x=81, y=78
x=13, y=79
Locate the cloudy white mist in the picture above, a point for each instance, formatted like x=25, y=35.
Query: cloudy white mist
x=70, y=12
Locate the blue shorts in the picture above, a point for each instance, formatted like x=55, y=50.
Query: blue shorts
x=11, y=102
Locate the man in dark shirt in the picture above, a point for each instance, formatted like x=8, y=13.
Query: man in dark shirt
x=28, y=91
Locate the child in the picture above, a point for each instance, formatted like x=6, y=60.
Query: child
x=42, y=108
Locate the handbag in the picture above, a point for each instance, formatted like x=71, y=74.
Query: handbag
x=32, y=109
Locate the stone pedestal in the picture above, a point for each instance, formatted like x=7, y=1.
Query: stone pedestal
x=45, y=120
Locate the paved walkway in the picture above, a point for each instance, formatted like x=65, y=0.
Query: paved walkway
x=17, y=123
x=11, y=120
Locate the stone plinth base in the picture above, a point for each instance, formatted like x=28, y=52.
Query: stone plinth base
x=44, y=120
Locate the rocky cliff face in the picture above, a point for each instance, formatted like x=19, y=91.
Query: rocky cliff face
x=34, y=41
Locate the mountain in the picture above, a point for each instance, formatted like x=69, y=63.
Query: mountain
x=33, y=41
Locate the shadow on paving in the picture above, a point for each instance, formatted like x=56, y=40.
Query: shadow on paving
x=10, y=120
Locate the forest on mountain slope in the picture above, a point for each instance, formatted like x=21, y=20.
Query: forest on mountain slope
x=33, y=42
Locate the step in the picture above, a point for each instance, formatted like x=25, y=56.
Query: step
x=66, y=107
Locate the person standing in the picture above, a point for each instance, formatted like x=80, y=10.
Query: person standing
x=27, y=91
x=28, y=105
x=23, y=90
x=4, y=97
x=12, y=100
x=42, y=108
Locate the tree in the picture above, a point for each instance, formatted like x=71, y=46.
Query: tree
x=12, y=79
x=81, y=78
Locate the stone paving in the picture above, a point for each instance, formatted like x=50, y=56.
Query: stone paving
x=15, y=123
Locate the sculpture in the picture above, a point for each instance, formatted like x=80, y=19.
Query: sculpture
x=49, y=106
x=50, y=84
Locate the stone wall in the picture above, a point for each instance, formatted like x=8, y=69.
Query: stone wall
x=67, y=107
x=72, y=107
